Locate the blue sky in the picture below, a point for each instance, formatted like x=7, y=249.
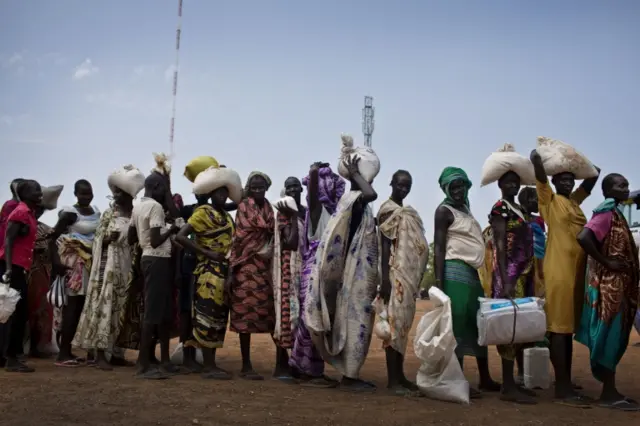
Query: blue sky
x=270, y=85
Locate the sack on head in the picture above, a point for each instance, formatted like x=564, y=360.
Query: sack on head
x=504, y=160
x=369, y=165
x=50, y=196
x=128, y=179
x=213, y=178
x=559, y=157
x=199, y=165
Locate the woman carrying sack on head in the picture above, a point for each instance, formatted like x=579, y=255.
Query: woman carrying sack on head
x=213, y=229
x=108, y=290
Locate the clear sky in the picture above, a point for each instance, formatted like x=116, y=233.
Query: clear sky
x=270, y=84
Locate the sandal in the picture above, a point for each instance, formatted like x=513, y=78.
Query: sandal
x=475, y=394
x=357, y=386
x=285, y=378
x=218, y=374
x=70, y=363
x=517, y=397
x=19, y=368
x=526, y=391
x=625, y=404
x=574, y=401
x=320, y=382
x=121, y=362
x=251, y=375
x=152, y=375
x=405, y=392
x=174, y=370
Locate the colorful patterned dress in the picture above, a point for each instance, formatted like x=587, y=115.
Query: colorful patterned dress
x=520, y=259
x=252, y=309
x=610, y=298
x=99, y=325
x=338, y=309
x=214, y=231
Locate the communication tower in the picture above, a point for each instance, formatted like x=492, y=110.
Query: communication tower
x=368, y=121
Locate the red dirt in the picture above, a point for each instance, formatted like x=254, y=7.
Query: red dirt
x=55, y=396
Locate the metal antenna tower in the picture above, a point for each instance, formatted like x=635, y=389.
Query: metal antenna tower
x=175, y=81
x=368, y=122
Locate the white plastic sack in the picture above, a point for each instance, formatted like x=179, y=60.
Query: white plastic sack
x=213, y=178
x=504, y=160
x=8, y=299
x=559, y=157
x=496, y=321
x=287, y=201
x=128, y=178
x=369, y=165
x=382, y=328
x=50, y=196
x=440, y=375
x=177, y=357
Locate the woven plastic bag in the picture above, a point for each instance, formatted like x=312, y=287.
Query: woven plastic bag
x=50, y=196
x=214, y=178
x=369, y=165
x=8, y=300
x=128, y=178
x=559, y=157
x=440, y=375
x=199, y=165
x=504, y=160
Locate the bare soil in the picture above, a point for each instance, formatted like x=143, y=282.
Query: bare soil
x=86, y=396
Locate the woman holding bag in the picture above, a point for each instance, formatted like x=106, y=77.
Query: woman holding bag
x=512, y=271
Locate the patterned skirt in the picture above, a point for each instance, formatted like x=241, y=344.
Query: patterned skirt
x=252, y=309
x=210, y=313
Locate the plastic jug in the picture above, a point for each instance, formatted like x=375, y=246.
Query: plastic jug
x=537, y=374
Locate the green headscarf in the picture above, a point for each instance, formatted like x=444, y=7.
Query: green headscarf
x=448, y=175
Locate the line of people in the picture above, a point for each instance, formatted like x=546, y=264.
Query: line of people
x=141, y=273
x=593, y=302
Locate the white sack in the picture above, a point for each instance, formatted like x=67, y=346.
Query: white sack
x=287, y=201
x=213, y=178
x=504, y=160
x=496, y=320
x=128, y=179
x=8, y=299
x=50, y=196
x=559, y=157
x=381, y=328
x=177, y=357
x=440, y=375
x=369, y=165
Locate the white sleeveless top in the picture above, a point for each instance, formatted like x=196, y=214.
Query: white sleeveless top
x=464, y=239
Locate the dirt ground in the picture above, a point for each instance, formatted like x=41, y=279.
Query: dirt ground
x=85, y=396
